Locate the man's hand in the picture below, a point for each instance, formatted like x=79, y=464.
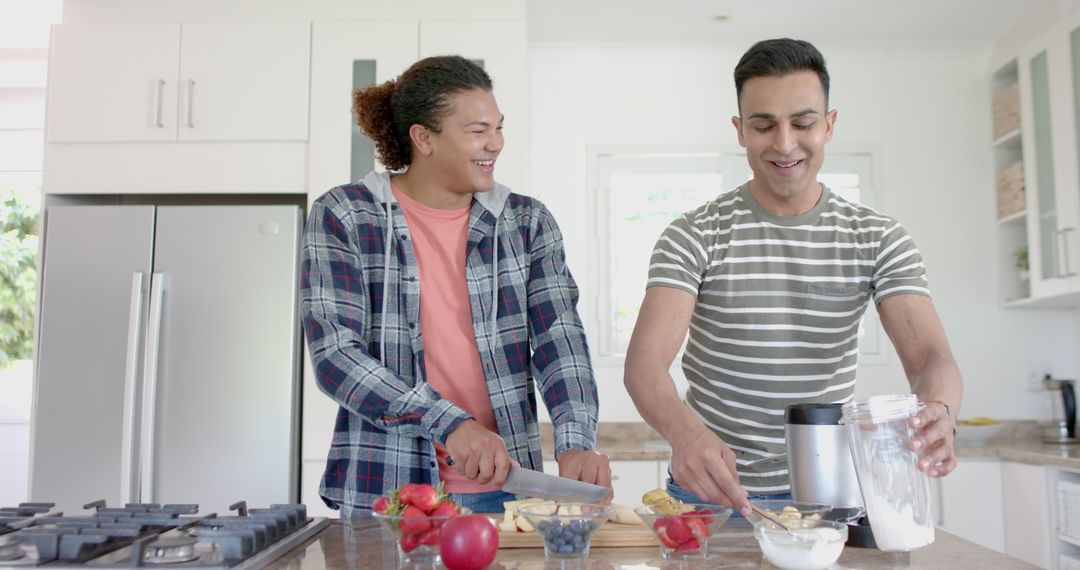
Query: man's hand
x=479, y=454
x=704, y=465
x=934, y=439
x=588, y=466
x=915, y=330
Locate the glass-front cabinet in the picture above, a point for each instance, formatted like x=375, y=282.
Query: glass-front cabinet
x=1037, y=166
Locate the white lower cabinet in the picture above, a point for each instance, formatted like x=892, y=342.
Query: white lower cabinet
x=629, y=479
x=1026, y=515
x=632, y=479
x=970, y=503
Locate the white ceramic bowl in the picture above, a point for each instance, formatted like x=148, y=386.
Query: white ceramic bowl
x=811, y=544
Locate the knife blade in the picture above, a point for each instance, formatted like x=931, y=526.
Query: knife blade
x=552, y=487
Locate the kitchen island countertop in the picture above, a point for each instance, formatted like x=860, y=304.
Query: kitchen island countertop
x=364, y=544
x=1018, y=441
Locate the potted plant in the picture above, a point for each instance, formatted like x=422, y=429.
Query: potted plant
x=1023, y=273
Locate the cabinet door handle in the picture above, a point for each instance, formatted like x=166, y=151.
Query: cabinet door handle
x=190, y=103
x=129, y=489
x=160, y=104
x=150, y=387
x=1064, y=257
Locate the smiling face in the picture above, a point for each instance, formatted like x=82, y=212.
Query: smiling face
x=784, y=125
x=464, y=151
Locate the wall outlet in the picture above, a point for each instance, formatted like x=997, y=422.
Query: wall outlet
x=1037, y=371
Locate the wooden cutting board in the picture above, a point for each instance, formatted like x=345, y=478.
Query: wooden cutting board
x=608, y=536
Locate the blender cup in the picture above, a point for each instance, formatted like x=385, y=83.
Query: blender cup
x=895, y=492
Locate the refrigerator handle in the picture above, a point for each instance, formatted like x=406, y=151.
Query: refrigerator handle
x=129, y=491
x=150, y=379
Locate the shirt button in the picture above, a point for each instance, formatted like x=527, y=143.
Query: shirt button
x=404, y=237
x=412, y=325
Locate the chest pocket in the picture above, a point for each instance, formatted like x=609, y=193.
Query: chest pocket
x=839, y=299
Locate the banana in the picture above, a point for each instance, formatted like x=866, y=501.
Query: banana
x=655, y=496
x=625, y=515
x=663, y=503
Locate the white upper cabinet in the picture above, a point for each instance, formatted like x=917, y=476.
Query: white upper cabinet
x=234, y=81
x=1041, y=91
x=1039, y=164
x=244, y=81
x=113, y=82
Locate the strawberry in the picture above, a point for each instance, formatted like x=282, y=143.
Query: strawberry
x=421, y=495
x=409, y=542
x=688, y=545
x=429, y=536
x=678, y=530
x=446, y=508
x=662, y=533
x=405, y=494
x=413, y=521
x=698, y=527
x=381, y=505
x=707, y=520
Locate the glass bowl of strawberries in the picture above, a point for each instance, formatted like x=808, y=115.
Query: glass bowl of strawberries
x=414, y=515
x=684, y=531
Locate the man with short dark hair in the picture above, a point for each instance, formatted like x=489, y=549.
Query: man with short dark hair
x=771, y=281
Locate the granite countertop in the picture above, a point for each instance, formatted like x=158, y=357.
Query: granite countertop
x=1017, y=441
x=363, y=543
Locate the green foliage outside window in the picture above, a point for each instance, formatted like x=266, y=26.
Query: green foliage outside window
x=18, y=277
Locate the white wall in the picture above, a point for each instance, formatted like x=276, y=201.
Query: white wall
x=925, y=110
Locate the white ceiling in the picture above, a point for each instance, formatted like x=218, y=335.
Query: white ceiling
x=827, y=21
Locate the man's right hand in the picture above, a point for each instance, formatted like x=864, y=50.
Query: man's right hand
x=479, y=454
x=704, y=465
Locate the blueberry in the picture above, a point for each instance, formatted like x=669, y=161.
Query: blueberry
x=566, y=549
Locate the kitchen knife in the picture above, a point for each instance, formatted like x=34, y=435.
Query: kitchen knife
x=552, y=487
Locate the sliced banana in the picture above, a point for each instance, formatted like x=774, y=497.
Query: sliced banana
x=625, y=515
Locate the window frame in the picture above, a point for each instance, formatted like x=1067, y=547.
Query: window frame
x=599, y=301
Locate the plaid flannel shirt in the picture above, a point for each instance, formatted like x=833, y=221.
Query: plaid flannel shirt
x=389, y=416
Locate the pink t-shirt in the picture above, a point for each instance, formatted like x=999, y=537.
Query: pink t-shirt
x=451, y=356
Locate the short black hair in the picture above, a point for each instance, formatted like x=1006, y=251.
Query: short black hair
x=780, y=57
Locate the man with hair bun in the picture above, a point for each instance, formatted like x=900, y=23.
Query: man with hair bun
x=436, y=302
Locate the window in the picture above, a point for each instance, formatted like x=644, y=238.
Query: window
x=24, y=40
x=638, y=191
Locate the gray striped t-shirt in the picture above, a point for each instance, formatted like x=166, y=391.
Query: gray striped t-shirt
x=779, y=300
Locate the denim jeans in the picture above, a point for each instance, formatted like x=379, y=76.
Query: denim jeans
x=685, y=496
x=490, y=502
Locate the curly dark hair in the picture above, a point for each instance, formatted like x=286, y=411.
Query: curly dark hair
x=420, y=96
x=779, y=57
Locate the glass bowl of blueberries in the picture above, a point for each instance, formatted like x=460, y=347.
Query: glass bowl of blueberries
x=566, y=528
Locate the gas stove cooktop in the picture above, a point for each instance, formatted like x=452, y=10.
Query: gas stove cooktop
x=150, y=536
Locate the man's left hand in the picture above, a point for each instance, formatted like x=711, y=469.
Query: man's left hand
x=586, y=465
x=934, y=440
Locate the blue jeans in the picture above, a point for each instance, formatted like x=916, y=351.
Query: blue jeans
x=490, y=502
x=685, y=496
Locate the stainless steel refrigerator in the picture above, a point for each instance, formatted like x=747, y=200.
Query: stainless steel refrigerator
x=168, y=358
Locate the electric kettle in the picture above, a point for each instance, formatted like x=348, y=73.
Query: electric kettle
x=1062, y=425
